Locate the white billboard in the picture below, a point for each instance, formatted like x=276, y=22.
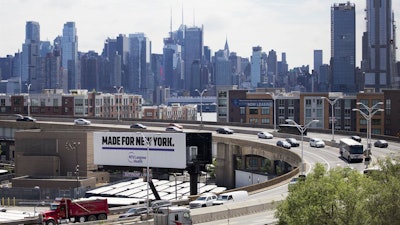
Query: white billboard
x=163, y=150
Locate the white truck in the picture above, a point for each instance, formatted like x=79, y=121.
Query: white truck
x=233, y=196
x=173, y=215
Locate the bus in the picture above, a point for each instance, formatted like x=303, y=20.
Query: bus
x=351, y=150
x=290, y=129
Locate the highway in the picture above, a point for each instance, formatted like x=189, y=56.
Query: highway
x=328, y=156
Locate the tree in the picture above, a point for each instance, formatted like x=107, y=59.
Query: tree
x=343, y=196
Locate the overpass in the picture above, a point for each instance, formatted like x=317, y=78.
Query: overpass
x=229, y=150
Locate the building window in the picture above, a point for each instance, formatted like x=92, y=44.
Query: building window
x=265, y=110
x=363, y=121
x=308, y=112
x=265, y=121
x=253, y=121
x=308, y=102
x=290, y=102
x=242, y=110
x=253, y=111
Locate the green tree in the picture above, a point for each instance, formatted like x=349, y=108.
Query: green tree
x=325, y=197
x=343, y=196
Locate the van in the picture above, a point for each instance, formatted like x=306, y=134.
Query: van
x=233, y=196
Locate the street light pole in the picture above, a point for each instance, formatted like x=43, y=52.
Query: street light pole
x=371, y=112
x=29, y=100
x=73, y=146
x=332, y=103
x=302, y=129
x=118, y=90
x=201, y=104
x=147, y=142
x=274, y=97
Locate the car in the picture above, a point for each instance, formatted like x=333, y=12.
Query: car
x=155, y=205
x=265, y=135
x=284, y=144
x=295, y=180
x=138, y=126
x=381, y=144
x=174, y=129
x=82, y=121
x=137, y=211
x=26, y=119
x=224, y=130
x=356, y=138
x=203, y=200
x=293, y=142
x=175, y=125
x=317, y=143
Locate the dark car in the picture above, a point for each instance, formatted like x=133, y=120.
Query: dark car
x=26, y=118
x=381, y=144
x=356, y=138
x=283, y=143
x=293, y=142
x=134, y=212
x=174, y=129
x=224, y=130
x=138, y=126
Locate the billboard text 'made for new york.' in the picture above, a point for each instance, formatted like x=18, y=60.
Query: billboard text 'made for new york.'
x=162, y=150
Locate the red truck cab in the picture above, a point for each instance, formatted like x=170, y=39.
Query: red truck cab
x=75, y=211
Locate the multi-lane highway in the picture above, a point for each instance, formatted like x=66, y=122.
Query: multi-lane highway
x=328, y=156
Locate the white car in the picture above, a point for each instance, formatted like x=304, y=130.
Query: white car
x=203, y=200
x=316, y=142
x=174, y=129
x=264, y=135
x=82, y=121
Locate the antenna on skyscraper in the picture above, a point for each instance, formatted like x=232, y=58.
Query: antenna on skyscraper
x=170, y=25
x=194, y=17
x=182, y=13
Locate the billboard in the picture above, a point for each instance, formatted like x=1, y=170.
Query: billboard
x=162, y=150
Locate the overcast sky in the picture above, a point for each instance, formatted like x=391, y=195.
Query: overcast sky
x=296, y=27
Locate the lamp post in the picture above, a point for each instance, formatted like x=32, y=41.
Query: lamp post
x=371, y=112
x=302, y=129
x=29, y=100
x=147, y=142
x=73, y=146
x=201, y=104
x=118, y=105
x=274, y=97
x=332, y=103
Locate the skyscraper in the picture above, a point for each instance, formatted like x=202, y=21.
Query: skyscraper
x=379, y=46
x=138, y=80
x=192, y=55
x=30, y=53
x=317, y=61
x=256, y=66
x=69, y=55
x=272, y=67
x=343, y=47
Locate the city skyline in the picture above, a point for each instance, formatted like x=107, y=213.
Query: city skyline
x=307, y=28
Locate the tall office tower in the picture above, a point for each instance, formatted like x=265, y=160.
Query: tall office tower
x=30, y=55
x=283, y=68
x=343, y=48
x=192, y=53
x=172, y=62
x=69, y=55
x=272, y=67
x=256, y=59
x=90, y=70
x=317, y=61
x=139, y=66
x=379, y=46
x=223, y=74
x=235, y=67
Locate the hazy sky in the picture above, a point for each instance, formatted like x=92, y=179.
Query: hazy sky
x=296, y=27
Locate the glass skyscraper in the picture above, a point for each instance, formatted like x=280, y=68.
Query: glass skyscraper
x=379, y=46
x=343, y=48
x=69, y=55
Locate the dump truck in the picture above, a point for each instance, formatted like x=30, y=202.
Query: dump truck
x=67, y=210
x=173, y=215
